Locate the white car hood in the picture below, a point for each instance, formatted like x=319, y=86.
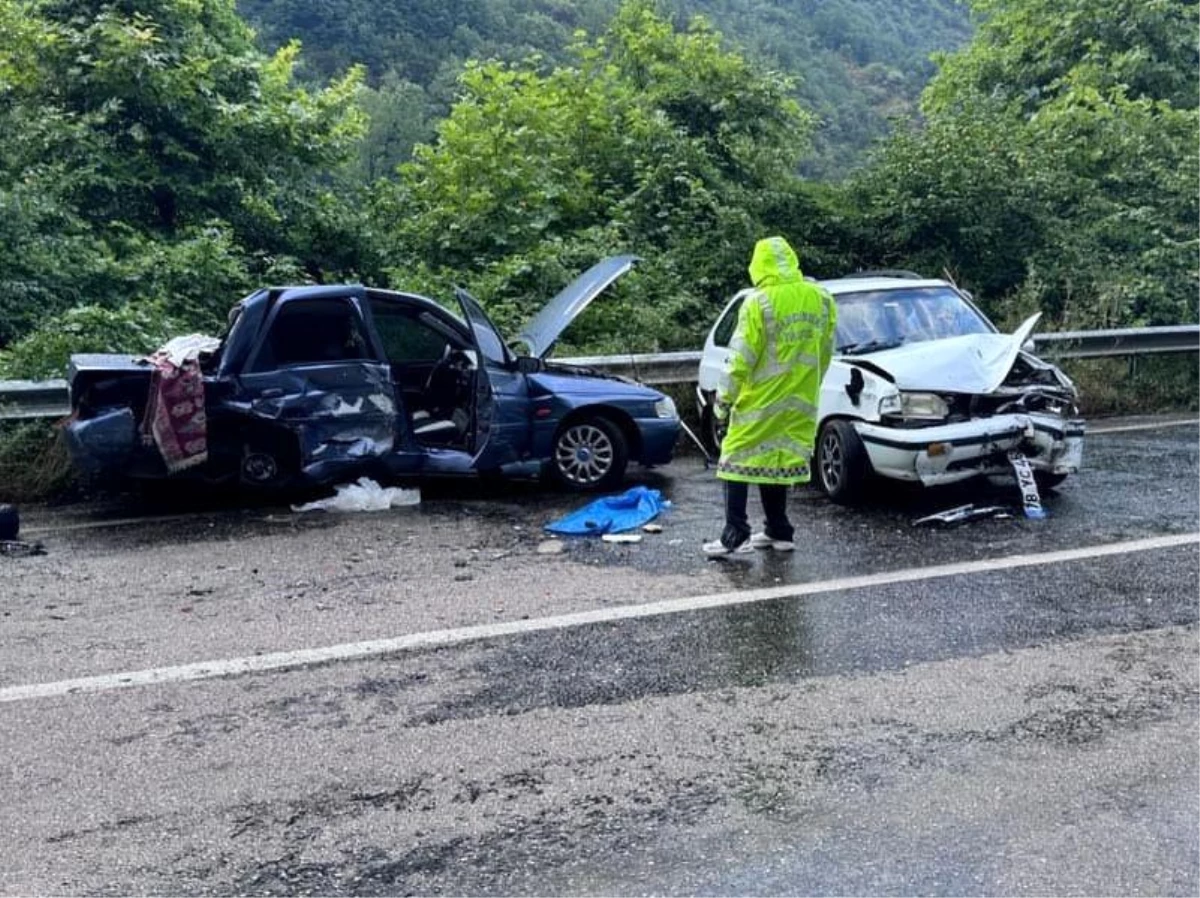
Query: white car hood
x=973, y=363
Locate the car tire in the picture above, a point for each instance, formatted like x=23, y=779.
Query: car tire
x=842, y=465
x=712, y=429
x=267, y=463
x=590, y=454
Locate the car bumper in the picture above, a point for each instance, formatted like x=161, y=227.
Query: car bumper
x=948, y=453
x=103, y=444
x=659, y=436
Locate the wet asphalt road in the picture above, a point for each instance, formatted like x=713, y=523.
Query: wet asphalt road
x=1027, y=724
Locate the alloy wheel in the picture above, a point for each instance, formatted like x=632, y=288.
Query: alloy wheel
x=584, y=454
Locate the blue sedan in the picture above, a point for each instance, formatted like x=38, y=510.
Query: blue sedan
x=323, y=384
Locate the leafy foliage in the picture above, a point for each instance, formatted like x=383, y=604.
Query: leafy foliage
x=654, y=141
x=150, y=153
x=858, y=62
x=1058, y=165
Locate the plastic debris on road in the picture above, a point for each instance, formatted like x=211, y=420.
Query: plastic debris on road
x=15, y=548
x=622, y=537
x=363, y=495
x=612, y=514
x=961, y=514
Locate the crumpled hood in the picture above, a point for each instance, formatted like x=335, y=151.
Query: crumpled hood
x=973, y=363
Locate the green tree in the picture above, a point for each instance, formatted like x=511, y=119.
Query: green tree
x=138, y=139
x=655, y=141
x=1057, y=168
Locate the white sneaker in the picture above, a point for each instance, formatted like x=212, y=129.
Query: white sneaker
x=717, y=549
x=762, y=541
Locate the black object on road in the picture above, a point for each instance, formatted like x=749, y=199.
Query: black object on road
x=10, y=522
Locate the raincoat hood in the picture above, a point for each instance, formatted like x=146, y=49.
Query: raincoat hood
x=774, y=262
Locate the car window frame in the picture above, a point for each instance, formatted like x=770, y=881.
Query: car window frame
x=254, y=363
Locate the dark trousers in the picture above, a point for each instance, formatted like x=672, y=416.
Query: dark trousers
x=774, y=503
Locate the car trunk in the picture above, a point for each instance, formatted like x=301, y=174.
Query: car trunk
x=105, y=380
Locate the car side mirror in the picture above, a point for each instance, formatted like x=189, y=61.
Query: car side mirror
x=529, y=364
x=1029, y=346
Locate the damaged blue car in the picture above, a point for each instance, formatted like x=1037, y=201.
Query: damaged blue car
x=321, y=384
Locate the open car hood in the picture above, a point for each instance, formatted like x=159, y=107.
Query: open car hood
x=541, y=332
x=973, y=363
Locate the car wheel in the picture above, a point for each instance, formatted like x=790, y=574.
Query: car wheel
x=267, y=463
x=842, y=464
x=712, y=429
x=590, y=454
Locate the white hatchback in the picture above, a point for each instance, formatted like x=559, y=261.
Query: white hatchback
x=922, y=388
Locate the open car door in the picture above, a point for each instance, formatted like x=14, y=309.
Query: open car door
x=498, y=433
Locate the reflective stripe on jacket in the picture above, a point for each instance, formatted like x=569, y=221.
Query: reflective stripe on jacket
x=780, y=350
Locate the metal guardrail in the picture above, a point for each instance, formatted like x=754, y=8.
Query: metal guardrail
x=25, y=399
x=21, y=399
x=1130, y=341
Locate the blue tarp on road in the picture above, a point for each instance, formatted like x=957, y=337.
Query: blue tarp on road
x=612, y=514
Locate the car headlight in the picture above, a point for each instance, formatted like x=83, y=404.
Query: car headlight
x=923, y=405
x=890, y=405
x=665, y=408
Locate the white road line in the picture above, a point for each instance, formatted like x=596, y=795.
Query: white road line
x=1126, y=428
x=436, y=638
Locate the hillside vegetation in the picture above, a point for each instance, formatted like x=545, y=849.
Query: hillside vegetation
x=158, y=159
x=857, y=63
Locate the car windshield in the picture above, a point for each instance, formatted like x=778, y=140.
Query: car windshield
x=882, y=319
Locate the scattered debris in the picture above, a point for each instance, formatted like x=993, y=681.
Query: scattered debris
x=963, y=513
x=363, y=495
x=551, y=547
x=622, y=537
x=612, y=514
x=17, y=549
x=653, y=528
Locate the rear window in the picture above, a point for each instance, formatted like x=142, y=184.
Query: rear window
x=723, y=332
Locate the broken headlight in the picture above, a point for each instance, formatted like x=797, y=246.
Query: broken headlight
x=665, y=408
x=923, y=406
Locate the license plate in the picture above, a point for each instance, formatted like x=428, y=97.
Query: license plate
x=1030, y=497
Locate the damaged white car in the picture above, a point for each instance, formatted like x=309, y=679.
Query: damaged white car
x=924, y=389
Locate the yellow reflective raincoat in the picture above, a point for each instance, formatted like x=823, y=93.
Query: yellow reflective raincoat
x=780, y=351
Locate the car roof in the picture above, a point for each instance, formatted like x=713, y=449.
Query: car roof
x=870, y=284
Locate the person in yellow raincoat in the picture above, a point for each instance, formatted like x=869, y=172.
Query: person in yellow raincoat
x=780, y=351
